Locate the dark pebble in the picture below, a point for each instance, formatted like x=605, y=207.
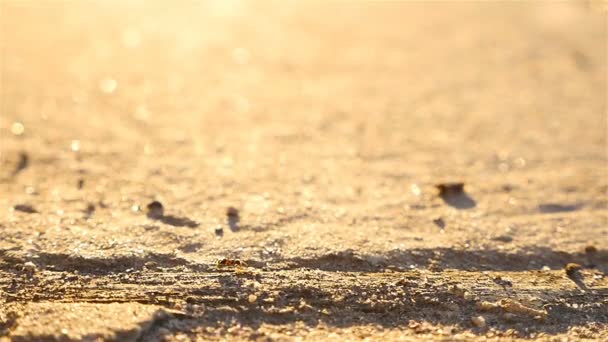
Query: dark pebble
x=450, y=189
x=155, y=209
x=24, y=161
x=26, y=208
x=572, y=269
x=590, y=249
x=232, y=212
x=439, y=222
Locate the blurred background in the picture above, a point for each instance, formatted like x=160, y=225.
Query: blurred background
x=311, y=112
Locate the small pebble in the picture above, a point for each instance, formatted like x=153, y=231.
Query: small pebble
x=17, y=128
x=252, y=298
x=590, y=249
x=572, y=269
x=478, y=321
x=450, y=189
x=503, y=238
x=155, y=210
x=439, y=222
x=30, y=267
x=24, y=161
x=80, y=183
x=219, y=231
x=232, y=212
x=90, y=209
x=26, y=208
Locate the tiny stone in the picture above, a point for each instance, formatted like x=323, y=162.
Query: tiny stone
x=219, y=231
x=89, y=210
x=26, y=208
x=17, y=128
x=155, y=210
x=232, y=212
x=478, y=321
x=450, y=189
x=439, y=222
x=252, y=298
x=572, y=269
x=30, y=267
x=503, y=238
x=590, y=249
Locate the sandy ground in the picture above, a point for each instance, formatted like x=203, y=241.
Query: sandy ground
x=327, y=126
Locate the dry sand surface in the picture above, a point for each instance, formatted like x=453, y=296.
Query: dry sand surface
x=327, y=126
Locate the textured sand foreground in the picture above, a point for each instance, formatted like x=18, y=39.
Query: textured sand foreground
x=327, y=126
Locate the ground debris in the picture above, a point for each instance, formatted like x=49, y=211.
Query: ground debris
x=453, y=194
x=24, y=161
x=590, y=252
x=155, y=210
x=230, y=263
x=450, y=189
x=457, y=291
x=26, y=208
x=478, y=321
x=513, y=307
x=502, y=282
x=89, y=210
x=572, y=270
x=232, y=212
x=30, y=267
x=439, y=222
